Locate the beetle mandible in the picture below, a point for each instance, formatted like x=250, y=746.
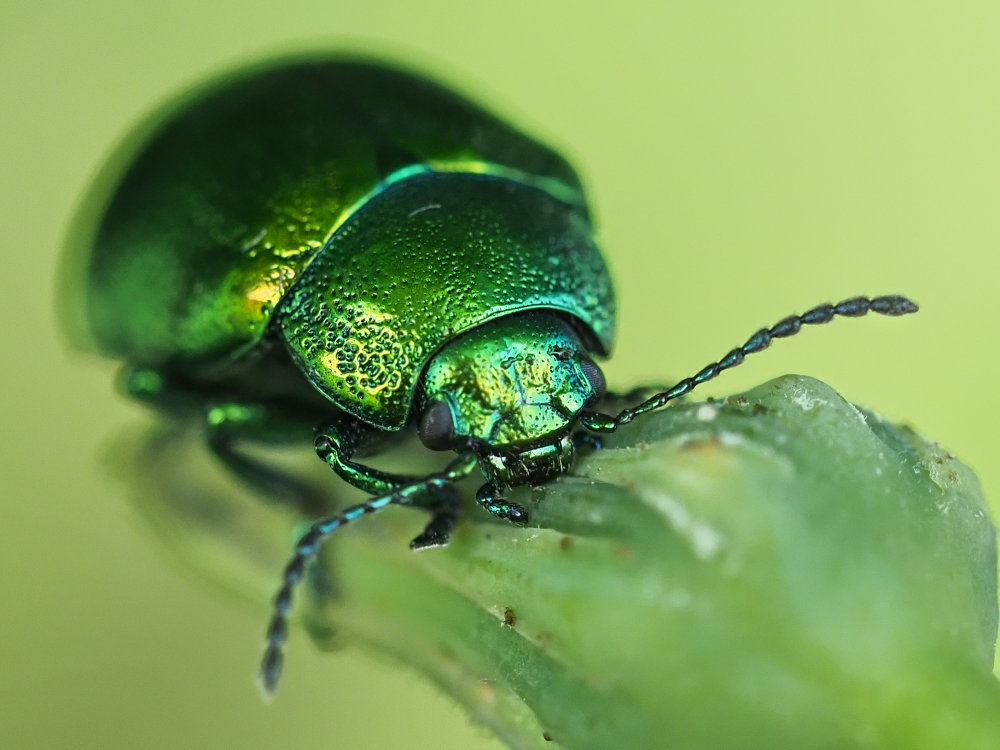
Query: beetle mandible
x=334, y=242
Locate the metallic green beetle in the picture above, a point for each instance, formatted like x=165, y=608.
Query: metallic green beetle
x=334, y=242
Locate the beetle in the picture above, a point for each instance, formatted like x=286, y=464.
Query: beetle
x=335, y=242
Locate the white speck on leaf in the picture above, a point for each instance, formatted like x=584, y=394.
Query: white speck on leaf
x=706, y=413
x=705, y=541
x=801, y=398
x=729, y=439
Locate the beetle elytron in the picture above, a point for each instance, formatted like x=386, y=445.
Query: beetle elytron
x=336, y=243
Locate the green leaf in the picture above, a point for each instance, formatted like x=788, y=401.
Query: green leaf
x=779, y=569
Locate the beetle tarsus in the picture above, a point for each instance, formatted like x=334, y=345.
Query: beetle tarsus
x=437, y=532
x=445, y=511
x=489, y=497
x=517, y=514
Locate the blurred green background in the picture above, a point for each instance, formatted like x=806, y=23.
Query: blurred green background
x=745, y=160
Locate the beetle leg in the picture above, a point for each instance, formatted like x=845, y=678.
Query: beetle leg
x=155, y=389
x=309, y=544
x=489, y=497
x=444, y=515
x=232, y=421
x=335, y=443
x=225, y=423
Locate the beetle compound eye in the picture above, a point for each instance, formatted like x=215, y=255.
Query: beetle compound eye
x=595, y=377
x=436, y=426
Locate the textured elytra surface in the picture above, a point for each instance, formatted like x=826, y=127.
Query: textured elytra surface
x=427, y=259
x=212, y=208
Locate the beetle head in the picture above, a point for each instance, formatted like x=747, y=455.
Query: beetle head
x=512, y=389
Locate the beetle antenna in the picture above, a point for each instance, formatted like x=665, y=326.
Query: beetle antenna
x=309, y=544
x=849, y=308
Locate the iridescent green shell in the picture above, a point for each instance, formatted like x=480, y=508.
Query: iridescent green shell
x=427, y=259
x=333, y=192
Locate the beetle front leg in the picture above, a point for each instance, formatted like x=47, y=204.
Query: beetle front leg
x=337, y=442
x=444, y=516
x=334, y=445
x=490, y=498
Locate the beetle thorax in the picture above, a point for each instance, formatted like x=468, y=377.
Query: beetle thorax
x=511, y=387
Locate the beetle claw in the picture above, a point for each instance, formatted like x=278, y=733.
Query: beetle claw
x=517, y=514
x=437, y=532
x=489, y=497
